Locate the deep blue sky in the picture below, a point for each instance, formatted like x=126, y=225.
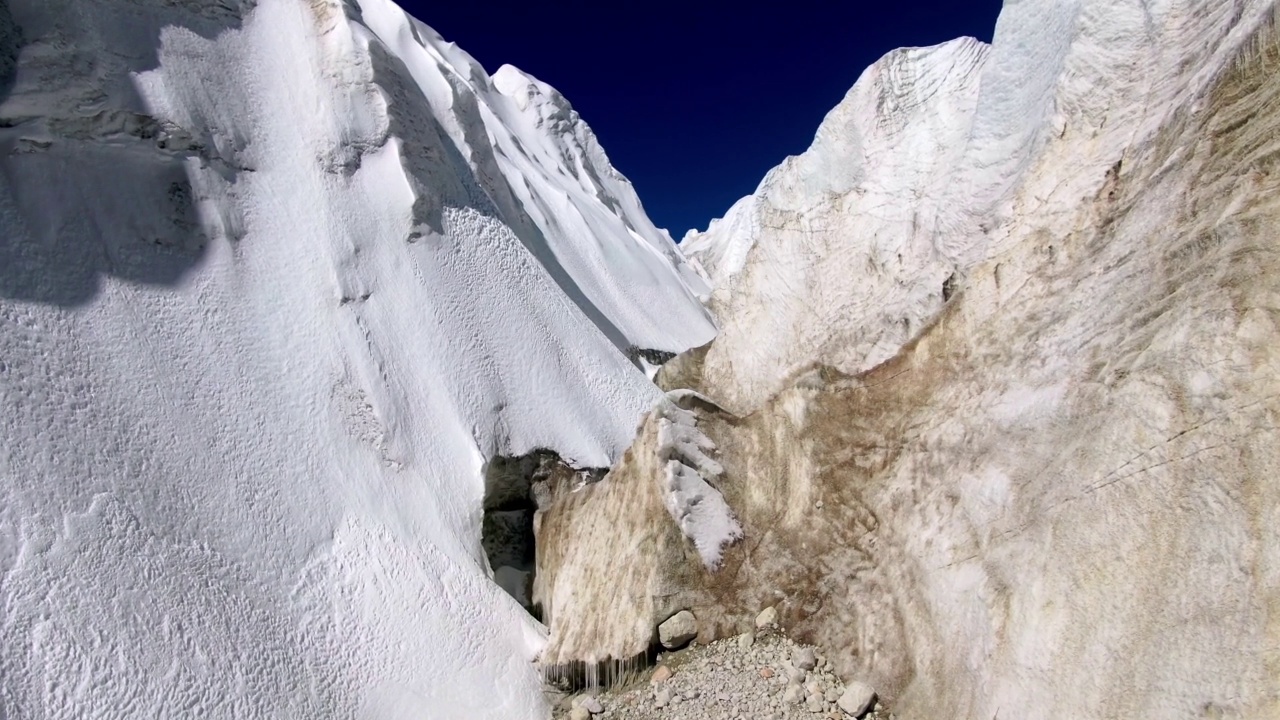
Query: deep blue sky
x=695, y=102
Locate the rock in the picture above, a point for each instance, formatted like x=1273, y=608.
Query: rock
x=766, y=673
x=591, y=705
x=793, y=695
x=579, y=713
x=796, y=675
x=662, y=674
x=832, y=696
x=857, y=698
x=767, y=618
x=746, y=640
x=804, y=659
x=662, y=698
x=678, y=630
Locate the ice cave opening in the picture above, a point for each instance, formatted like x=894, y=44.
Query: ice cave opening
x=507, y=530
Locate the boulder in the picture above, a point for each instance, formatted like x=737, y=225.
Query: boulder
x=857, y=698
x=767, y=618
x=678, y=630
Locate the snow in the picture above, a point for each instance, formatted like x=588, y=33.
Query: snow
x=276, y=280
x=689, y=496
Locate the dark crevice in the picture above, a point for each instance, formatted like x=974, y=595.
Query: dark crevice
x=949, y=287
x=514, y=489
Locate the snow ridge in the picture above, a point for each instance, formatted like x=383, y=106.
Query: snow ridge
x=276, y=280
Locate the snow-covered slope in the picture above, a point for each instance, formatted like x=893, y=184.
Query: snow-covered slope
x=277, y=278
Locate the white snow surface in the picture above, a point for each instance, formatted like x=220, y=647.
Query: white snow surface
x=277, y=278
x=693, y=502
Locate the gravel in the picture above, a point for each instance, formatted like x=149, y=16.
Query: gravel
x=731, y=679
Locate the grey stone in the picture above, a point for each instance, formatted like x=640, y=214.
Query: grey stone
x=662, y=698
x=767, y=618
x=857, y=698
x=804, y=659
x=579, y=713
x=678, y=630
x=746, y=640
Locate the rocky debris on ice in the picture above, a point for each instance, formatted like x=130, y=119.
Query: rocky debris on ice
x=731, y=679
x=678, y=630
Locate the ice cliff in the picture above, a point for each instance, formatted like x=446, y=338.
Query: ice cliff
x=999, y=371
x=277, y=280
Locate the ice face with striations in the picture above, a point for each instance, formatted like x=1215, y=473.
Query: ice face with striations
x=878, y=171
x=1015, y=317
x=846, y=251
x=277, y=278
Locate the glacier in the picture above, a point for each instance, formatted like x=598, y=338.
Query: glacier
x=995, y=388
x=277, y=280
x=980, y=391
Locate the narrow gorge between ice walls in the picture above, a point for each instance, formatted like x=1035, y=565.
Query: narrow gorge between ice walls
x=343, y=379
